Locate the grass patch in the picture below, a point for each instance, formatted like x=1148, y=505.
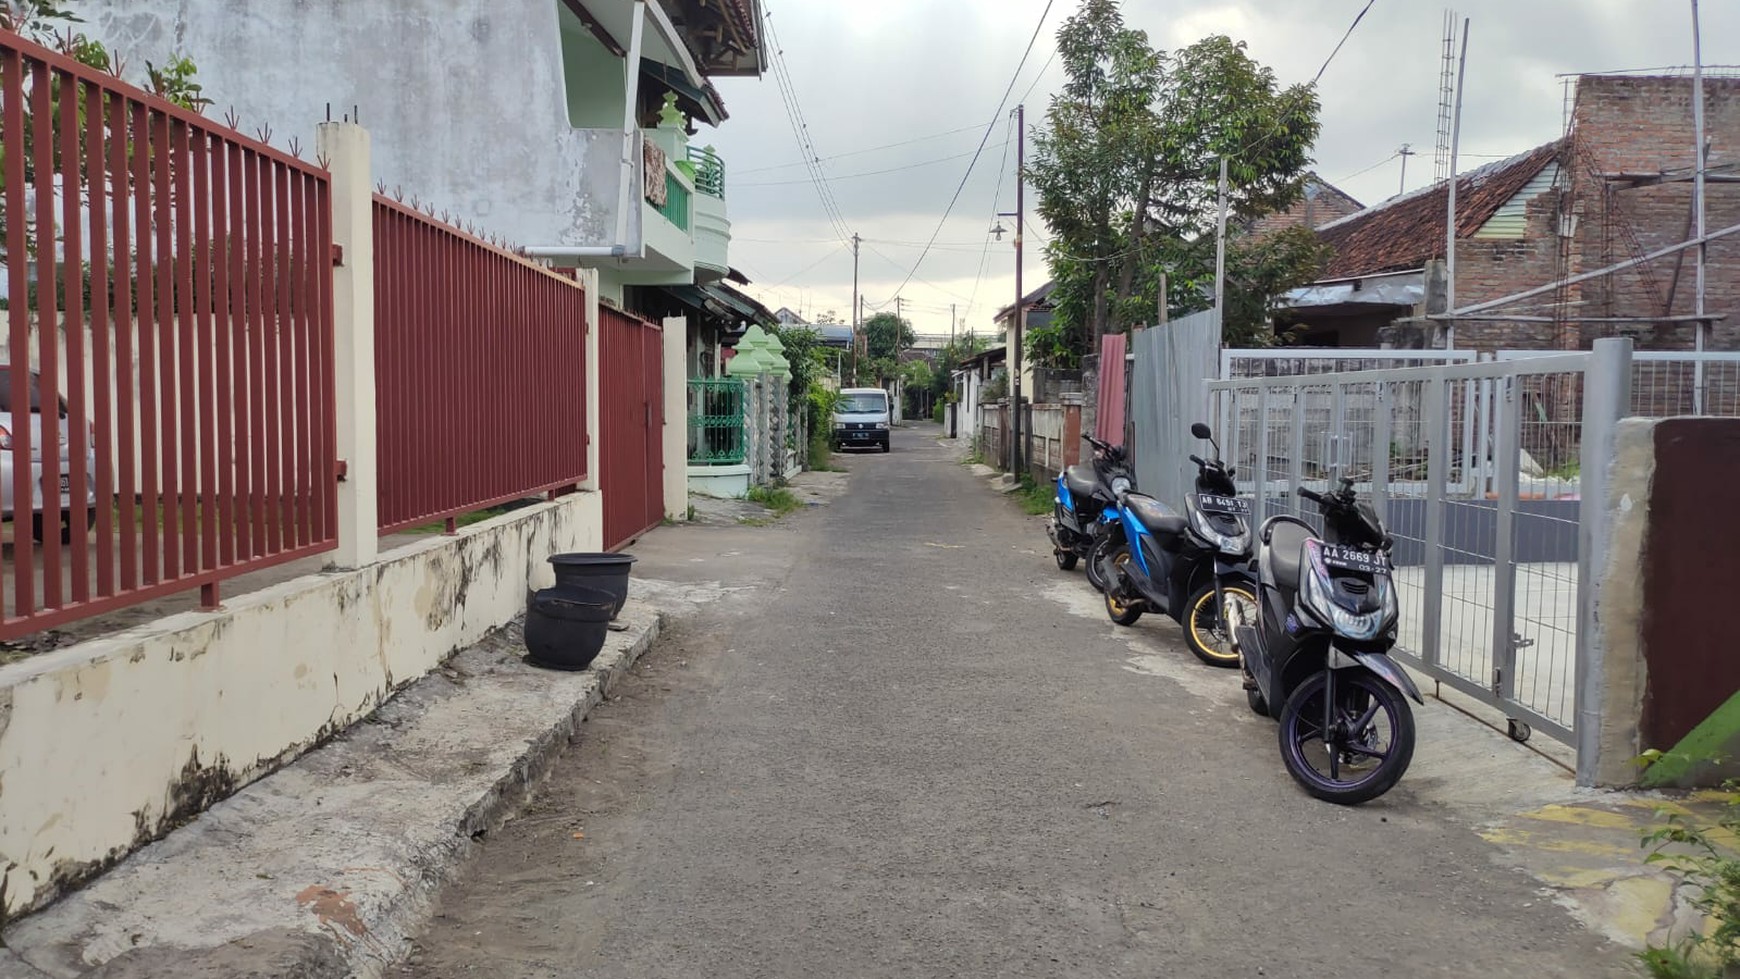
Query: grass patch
x=822, y=456
x=1036, y=499
x=467, y=519
x=776, y=498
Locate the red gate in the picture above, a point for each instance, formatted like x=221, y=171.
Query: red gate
x=631, y=450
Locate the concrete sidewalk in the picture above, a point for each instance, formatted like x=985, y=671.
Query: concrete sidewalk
x=328, y=867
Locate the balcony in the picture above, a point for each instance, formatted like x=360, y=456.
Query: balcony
x=712, y=227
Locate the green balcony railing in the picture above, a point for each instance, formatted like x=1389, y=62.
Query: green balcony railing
x=709, y=171
x=716, y=422
x=677, y=200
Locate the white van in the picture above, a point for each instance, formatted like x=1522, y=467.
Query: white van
x=861, y=419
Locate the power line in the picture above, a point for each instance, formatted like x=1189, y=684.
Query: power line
x=869, y=149
x=807, y=269
x=800, y=131
x=996, y=202
x=1357, y=18
x=855, y=176
x=1369, y=169
x=983, y=141
x=1039, y=77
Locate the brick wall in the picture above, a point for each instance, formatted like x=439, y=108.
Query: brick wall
x=1327, y=205
x=1644, y=125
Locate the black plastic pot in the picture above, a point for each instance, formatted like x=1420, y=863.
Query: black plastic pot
x=566, y=626
x=607, y=572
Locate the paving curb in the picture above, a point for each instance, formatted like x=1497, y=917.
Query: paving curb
x=329, y=867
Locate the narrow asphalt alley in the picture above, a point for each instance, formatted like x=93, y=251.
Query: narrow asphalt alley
x=904, y=744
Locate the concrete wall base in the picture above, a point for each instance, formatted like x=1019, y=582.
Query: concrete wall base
x=110, y=744
x=724, y=482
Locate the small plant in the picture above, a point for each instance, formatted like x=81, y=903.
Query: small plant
x=691, y=513
x=1035, y=498
x=776, y=498
x=1713, y=874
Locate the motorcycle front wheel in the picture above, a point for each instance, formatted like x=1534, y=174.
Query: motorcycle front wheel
x=1205, y=630
x=1097, y=554
x=1122, y=611
x=1365, y=747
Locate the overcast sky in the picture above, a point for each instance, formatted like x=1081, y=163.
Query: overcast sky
x=928, y=74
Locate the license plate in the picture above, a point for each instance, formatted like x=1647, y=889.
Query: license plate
x=1213, y=503
x=1344, y=558
x=860, y=435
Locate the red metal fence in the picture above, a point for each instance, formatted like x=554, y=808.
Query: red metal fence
x=480, y=372
x=631, y=455
x=191, y=360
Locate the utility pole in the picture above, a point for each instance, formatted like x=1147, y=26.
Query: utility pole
x=857, y=302
x=1700, y=160
x=1220, y=248
x=1020, y=308
x=1450, y=218
x=1405, y=152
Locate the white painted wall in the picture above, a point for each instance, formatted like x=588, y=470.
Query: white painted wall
x=466, y=100
x=100, y=743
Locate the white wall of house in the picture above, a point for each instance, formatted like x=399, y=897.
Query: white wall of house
x=467, y=100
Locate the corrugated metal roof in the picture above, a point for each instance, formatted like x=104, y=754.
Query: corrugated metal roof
x=1511, y=220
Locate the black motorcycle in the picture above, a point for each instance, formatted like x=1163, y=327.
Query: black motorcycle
x=1083, y=494
x=1317, y=648
x=1189, y=566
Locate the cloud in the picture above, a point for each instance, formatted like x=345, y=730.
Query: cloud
x=870, y=75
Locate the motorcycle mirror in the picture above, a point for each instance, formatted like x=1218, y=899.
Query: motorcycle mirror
x=1201, y=431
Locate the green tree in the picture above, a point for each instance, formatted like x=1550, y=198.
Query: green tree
x=1127, y=169
x=885, y=335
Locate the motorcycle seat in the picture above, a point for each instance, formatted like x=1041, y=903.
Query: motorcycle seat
x=1286, y=553
x=1165, y=523
x=1081, y=480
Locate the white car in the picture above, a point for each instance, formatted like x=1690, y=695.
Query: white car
x=8, y=456
x=861, y=419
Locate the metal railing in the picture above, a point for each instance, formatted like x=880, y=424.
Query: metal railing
x=170, y=290
x=709, y=171
x=480, y=368
x=716, y=422
x=1665, y=383
x=1482, y=472
x=678, y=201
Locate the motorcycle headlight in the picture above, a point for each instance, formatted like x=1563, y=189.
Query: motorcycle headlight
x=1121, y=485
x=1235, y=544
x=1317, y=594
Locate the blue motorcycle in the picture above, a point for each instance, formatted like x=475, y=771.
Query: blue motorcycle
x=1186, y=565
x=1084, y=495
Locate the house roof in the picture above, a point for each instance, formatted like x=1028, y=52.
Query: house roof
x=1033, y=300
x=1405, y=232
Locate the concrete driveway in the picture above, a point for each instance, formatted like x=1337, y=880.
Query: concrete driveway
x=906, y=745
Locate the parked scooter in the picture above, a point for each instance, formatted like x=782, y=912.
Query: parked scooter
x=1189, y=566
x=1317, y=648
x=1083, y=495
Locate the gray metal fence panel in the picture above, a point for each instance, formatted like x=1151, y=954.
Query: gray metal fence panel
x=1168, y=392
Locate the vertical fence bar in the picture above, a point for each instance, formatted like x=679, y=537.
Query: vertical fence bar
x=131, y=284
x=164, y=513
x=302, y=334
x=78, y=410
x=1337, y=435
x=232, y=382
x=283, y=328
x=271, y=435
x=18, y=284
x=1437, y=461
x=1503, y=679
x=187, y=385
x=46, y=390
x=145, y=152
x=102, y=371
x=258, y=483
x=1259, y=458
x=1383, y=400
x=205, y=418
x=1296, y=447
x=327, y=470
x=1606, y=398
x=1469, y=456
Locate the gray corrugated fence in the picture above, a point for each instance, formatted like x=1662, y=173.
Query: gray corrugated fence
x=1167, y=393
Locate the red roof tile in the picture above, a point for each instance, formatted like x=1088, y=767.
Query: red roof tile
x=1407, y=231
